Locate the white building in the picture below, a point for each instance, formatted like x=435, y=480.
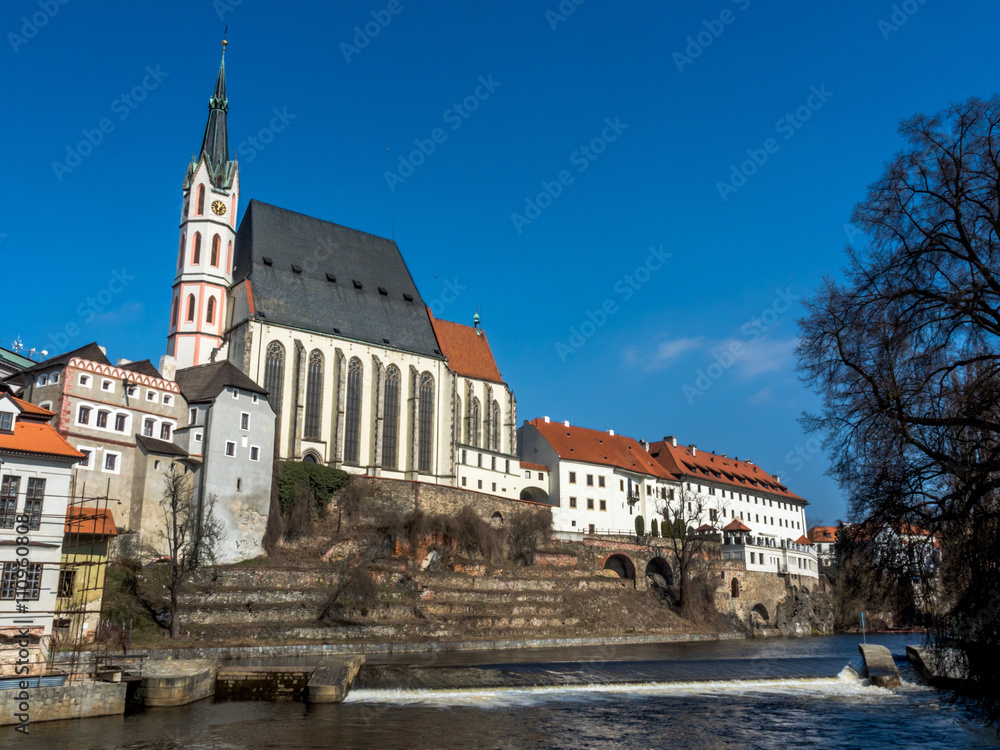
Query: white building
x=762, y=522
x=598, y=481
x=35, y=468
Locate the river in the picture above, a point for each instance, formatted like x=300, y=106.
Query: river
x=768, y=693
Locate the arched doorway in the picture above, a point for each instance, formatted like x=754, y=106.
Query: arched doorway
x=734, y=588
x=657, y=567
x=622, y=565
x=534, y=495
x=761, y=611
x=496, y=520
x=309, y=458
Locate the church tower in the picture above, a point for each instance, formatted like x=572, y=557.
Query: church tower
x=208, y=233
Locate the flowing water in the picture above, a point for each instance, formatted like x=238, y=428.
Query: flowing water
x=774, y=693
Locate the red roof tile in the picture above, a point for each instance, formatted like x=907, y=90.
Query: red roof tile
x=29, y=408
x=533, y=467
x=682, y=461
x=736, y=525
x=37, y=437
x=803, y=540
x=93, y=521
x=596, y=447
x=823, y=534
x=467, y=350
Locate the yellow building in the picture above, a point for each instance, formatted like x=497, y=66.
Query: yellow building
x=87, y=535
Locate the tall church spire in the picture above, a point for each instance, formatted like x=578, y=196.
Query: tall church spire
x=215, y=144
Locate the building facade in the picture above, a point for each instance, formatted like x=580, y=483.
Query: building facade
x=36, y=466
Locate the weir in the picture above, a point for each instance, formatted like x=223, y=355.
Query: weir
x=879, y=667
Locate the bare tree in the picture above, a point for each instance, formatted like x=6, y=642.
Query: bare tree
x=685, y=514
x=905, y=352
x=190, y=535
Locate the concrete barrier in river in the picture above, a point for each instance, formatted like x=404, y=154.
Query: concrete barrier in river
x=879, y=667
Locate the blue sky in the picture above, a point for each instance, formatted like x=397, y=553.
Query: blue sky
x=636, y=195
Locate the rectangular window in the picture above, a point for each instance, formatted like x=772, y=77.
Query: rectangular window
x=87, y=452
x=120, y=422
x=479, y=483
x=572, y=477
x=239, y=484
x=67, y=578
x=33, y=503
x=193, y=416
x=236, y=393
x=102, y=418
x=167, y=399
x=6, y=421
x=147, y=428
x=493, y=463
x=131, y=390
x=572, y=502
x=465, y=456
x=244, y=421
x=83, y=415
x=197, y=437
x=85, y=381
x=164, y=431
x=230, y=448
x=604, y=504
x=479, y=459
x=527, y=475
x=108, y=385
x=53, y=378
x=111, y=462
x=150, y=395
x=494, y=486
x=8, y=500
x=649, y=490
x=590, y=480
x=254, y=453
x=590, y=503
x=621, y=485
x=753, y=557
x=464, y=482
x=713, y=515
x=600, y=481
x=255, y=398
x=30, y=585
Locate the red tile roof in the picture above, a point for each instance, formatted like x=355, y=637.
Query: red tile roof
x=596, y=447
x=93, y=521
x=467, y=350
x=803, y=540
x=684, y=461
x=736, y=525
x=823, y=534
x=533, y=467
x=33, y=434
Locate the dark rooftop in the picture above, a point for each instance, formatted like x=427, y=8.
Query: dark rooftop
x=205, y=382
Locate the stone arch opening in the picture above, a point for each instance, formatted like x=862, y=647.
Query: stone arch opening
x=658, y=568
x=761, y=611
x=622, y=565
x=534, y=495
x=310, y=458
x=496, y=520
x=734, y=588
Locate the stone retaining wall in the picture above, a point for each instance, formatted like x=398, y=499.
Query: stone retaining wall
x=75, y=701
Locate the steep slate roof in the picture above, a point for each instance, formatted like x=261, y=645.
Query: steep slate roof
x=205, y=382
x=34, y=435
x=143, y=367
x=323, y=295
x=89, y=521
x=152, y=445
x=682, y=461
x=90, y=352
x=596, y=447
x=467, y=350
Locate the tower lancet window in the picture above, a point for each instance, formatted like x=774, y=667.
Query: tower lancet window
x=190, y=310
x=196, y=252
x=180, y=254
x=201, y=200
x=216, y=242
x=210, y=313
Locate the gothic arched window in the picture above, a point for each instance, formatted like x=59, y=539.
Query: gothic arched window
x=314, y=396
x=201, y=200
x=229, y=258
x=196, y=252
x=390, y=425
x=274, y=375
x=180, y=253
x=426, y=424
x=352, y=417
x=190, y=310
x=210, y=314
x=474, y=418
x=173, y=314
x=495, y=424
x=216, y=244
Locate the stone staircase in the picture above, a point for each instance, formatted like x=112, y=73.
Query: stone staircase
x=248, y=604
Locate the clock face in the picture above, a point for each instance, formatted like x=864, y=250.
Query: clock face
x=219, y=208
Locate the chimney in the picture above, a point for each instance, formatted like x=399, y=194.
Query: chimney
x=123, y=361
x=777, y=479
x=671, y=439
x=694, y=449
x=611, y=433
x=104, y=350
x=644, y=444
x=168, y=367
x=566, y=423
x=546, y=420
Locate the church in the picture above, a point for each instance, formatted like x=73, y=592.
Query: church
x=329, y=321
